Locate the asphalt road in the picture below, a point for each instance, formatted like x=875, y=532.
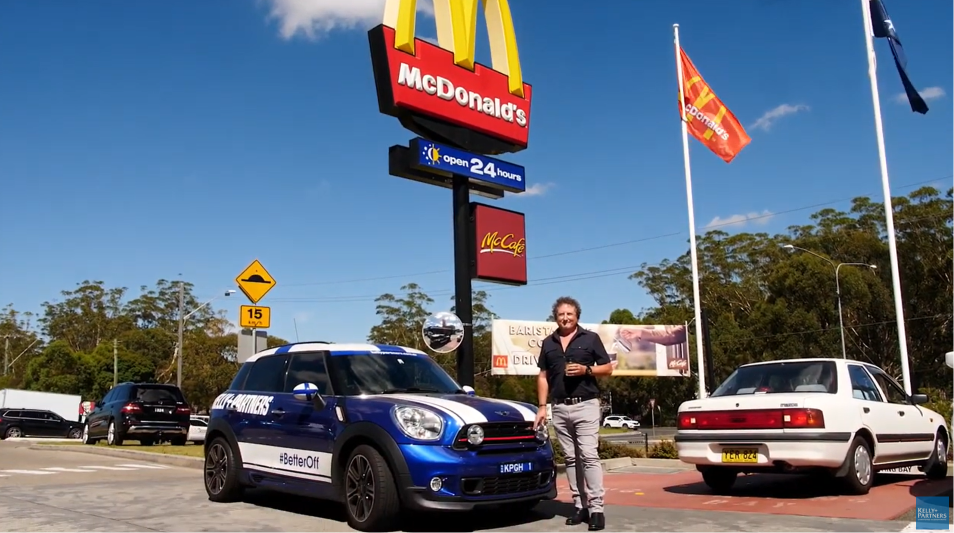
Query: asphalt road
x=46, y=490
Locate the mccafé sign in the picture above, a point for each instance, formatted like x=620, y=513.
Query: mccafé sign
x=500, y=239
x=441, y=92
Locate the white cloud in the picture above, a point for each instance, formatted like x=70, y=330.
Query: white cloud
x=765, y=121
x=315, y=18
x=537, y=189
x=741, y=220
x=928, y=93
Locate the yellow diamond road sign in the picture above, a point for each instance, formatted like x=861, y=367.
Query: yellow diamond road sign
x=255, y=281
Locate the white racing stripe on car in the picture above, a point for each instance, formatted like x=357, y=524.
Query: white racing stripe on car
x=464, y=413
x=528, y=415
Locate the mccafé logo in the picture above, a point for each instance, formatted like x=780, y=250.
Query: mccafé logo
x=445, y=81
x=500, y=361
x=509, y=243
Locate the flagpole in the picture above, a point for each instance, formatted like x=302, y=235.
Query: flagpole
x=700, y=362
x=888, y=209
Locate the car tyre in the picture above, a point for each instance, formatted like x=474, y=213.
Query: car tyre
x=936, y=466
x=13, y=432
x=113, y=436
x=370, y=495
x=178, y=441
x=719, y=479
x=74, y=433
x=861, y=474
x=221, y=473
x=85, y=436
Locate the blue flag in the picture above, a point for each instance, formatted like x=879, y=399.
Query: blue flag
x=882, y=27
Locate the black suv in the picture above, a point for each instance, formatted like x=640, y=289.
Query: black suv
x=147, y=412
x=16, y=423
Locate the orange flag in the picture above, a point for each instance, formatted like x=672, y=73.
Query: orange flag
x=707, y=118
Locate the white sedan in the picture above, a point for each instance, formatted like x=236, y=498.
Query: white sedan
x=846, y=418
x=197, y=428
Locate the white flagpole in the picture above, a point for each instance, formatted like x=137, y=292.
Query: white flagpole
x=696, y=299
x=888, y=209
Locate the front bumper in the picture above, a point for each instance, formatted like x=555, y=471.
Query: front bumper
x=471, y=481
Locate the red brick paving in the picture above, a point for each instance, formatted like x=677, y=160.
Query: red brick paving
x=773, y=494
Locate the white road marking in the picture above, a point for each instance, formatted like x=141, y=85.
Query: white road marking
x=913, y=526
x=109, y=468
x=30, y=472
x=157, y=467
x=61, y=469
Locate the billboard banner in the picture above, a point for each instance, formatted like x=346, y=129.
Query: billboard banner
x=500, y=239
x=636, y=351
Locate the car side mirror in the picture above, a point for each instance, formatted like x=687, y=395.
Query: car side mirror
x=469, y=390
x=919, y=399
x=308, y=392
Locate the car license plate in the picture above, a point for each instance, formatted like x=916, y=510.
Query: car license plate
x=515, y=468
x=740, y=455
x=163, y=410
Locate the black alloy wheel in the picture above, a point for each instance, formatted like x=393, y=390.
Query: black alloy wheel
x=221, y=472
x=359, y=488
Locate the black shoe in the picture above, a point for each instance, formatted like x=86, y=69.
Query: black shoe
x=578, y=516
x=597, y=522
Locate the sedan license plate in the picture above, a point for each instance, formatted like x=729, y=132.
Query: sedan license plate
x=163, y=410
x=515, y=468
x=740, y=455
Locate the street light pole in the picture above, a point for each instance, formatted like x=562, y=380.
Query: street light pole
x=837, y=267
x=182, y=319
x=179, y=342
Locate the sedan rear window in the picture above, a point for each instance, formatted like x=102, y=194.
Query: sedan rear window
x=781, y=377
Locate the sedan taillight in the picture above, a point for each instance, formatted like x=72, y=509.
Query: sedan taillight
x=131, y=408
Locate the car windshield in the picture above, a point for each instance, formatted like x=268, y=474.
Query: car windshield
x=389, y=374
x=780, y=377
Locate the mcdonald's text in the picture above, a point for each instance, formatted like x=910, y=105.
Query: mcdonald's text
x=693, y=111
x=429, y=83
x=494, y=242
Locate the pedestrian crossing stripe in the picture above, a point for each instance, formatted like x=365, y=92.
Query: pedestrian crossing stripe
x=89, y=469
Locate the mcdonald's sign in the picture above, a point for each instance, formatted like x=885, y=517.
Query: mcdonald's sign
x=441, y=92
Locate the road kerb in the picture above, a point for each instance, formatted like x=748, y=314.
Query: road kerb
x=622, y=462
x=160, y=458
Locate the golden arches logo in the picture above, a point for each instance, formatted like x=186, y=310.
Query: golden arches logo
x=456, y=22
x=705, y=96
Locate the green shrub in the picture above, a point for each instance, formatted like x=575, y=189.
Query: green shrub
x=607, y=450
x=665, y=449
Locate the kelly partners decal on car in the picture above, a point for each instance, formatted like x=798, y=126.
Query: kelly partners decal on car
x=253, y=404
x=500, y=238
x=444, y=82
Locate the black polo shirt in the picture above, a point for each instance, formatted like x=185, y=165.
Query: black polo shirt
x=586, y=348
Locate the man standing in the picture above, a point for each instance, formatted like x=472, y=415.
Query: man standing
x=570, y=361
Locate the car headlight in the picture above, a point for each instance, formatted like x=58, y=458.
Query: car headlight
x=418, y=423
x=543, y=433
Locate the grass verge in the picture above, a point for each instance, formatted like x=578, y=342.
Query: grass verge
x=189, y=450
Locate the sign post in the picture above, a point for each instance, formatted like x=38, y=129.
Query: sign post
x=463, y=112
x=254, y=282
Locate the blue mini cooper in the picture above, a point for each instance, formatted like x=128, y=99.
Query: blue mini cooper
x=378, y=428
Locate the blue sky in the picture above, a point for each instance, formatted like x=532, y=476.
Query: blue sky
x=144, y=140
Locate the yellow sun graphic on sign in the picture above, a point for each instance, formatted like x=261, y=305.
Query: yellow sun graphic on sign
x=432, y=153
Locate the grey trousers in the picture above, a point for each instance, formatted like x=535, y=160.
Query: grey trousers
x=578, y=432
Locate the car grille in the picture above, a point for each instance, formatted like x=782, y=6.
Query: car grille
x=501, y=485
x=499, y=433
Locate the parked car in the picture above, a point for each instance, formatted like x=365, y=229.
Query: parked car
x=377, y=428
x=845, y=418
x=620, y=421
x=197, y=428
x=16, y=423
x=147, y=412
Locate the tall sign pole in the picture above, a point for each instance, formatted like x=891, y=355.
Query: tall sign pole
x=462, y=113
